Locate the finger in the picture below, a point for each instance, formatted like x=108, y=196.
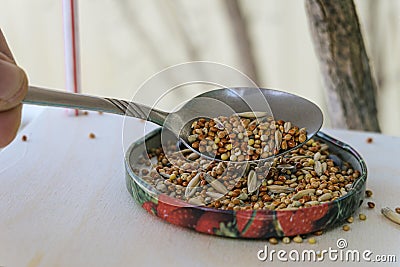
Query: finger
x=10, y=121
x=13, y=85
x=4, y=47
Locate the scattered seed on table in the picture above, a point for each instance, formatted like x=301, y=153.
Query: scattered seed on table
x=100, y=112
x=390, y=214
x=85, y=113
x=397, y=210
x=312, y=240
x=362, y=217
x=273, y=241
x=24, y=138
x=368, y=193
x=346, y=227
x=286, y=240
x=371, y=204
x=92, y=136
x=318, y=233
x=369, y=140
x=297, y=239
x=350, y=219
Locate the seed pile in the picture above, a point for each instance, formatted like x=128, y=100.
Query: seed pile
x=244, y=136
x=307, y=176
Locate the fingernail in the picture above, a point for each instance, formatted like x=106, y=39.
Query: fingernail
x=11, y=78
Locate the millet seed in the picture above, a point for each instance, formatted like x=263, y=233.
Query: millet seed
x=92, y=136
x=371, y=204
x=362, y=217
x=312, y=240
x=318, y=233
x=273, y=241
x=368, y=193
x=286, y=240
x=350, y=219
x=24, y=138
x=346, y=227
x=369, y=140
x=297, y=239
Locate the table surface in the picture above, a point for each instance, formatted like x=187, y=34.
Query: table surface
x=63, y=202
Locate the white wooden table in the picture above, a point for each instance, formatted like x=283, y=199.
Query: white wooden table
x=63, y=202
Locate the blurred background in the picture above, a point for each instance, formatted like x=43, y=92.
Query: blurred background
x=122, y=43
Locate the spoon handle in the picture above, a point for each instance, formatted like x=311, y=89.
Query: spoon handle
x=46, y=97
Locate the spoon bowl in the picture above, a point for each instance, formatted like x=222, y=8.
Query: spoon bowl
x=220, y=102
x=277, y=104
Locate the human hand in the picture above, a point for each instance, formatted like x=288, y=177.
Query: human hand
x=13, y=88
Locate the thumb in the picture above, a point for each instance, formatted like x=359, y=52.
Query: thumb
x=13, y=84
x=13, y=80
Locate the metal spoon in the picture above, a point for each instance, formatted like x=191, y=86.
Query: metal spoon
x=227, y=101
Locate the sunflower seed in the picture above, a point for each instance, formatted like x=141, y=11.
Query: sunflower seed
x=252, y=115
x=317, y=156
x=278, y=140
x=325, y=197
x=280, y=189
x=251, y=181
x=286, y=167
x=324, y=147
x=287, y=126
x=192, y=186
x=217, y=185
x=290, y=208
x=324, y=166
x=298, y=157
x=318, y=167
x=302, y=193
x=391, y=215
x=247, y=168
x=198, y=201
x=313, y=203
x=214, y=195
